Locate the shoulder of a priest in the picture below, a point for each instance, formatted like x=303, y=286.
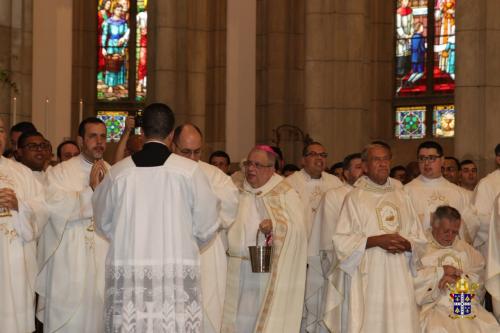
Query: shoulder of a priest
x=18, y=167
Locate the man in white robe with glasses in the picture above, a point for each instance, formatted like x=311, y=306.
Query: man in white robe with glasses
x=23, y=215
x=431, y=190
x=312, y=182
x=266, y=302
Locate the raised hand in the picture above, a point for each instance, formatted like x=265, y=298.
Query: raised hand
x=97, y=173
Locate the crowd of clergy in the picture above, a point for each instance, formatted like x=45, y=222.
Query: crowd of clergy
x=158, y=240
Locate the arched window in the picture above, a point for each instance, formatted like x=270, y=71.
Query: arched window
x=424, y=68
x=121, y=82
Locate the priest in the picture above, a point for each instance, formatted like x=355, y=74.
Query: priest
x=266, y=302
x=377, y=242
x=71, y=255
x=431, y=189
x=188, y=142
x=484, y=199
x=23, y=215
x=156, y=209
x=327, y=218
x=493, y=259
x=446, y=259
x=312, y=182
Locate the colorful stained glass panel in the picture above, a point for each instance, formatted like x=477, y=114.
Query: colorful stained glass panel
x=410, y=122
x=444, y=46
x=115, y=123
x=443, y=121
x=411, y=47
x=141, y=50
x=113, y=22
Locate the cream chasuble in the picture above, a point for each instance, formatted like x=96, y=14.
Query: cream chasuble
x=380, y=287
x=484, y=199
x=154, y=218
x=266, y=302
x=70, y=254
x=18, y=234
x=328, y=217
x=436, y=304
x=213, y=256
x=493, y=260
x=311, y=192
x=428, y=194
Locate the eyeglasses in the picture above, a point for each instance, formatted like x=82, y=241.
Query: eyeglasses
x=257, y=165
x=430, y=158
x=315, y=154
x=189, y=152
x=37, y=146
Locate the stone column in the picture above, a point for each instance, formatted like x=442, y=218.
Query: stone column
x=240, y=78
x=84, y=64
x=52, y=62
x=337, y=75
x=280, y=73
x=15, y=58
x=477, y=92
x=184, y=62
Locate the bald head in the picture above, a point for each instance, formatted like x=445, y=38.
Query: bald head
x=188, y=141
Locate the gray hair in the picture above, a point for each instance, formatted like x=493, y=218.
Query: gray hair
x=445, y=212
x=367, y=148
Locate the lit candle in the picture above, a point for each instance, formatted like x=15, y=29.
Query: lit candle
x=14, y=111
x=80, y=113
x=47, y=117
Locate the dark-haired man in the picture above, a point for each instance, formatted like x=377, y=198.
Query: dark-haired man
x=431, y=189
x=327, y=218
x=311, y=183
x=451, y=169
x=22, y=217
x=16, y=131
x=221, y=160
x=468, y=176
x=399, y=172
x=67, y=150
x=156, y=209
x=32, y=151
x=71, y=254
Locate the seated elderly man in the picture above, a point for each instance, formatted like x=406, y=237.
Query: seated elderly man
x=266, y=302
x=445, y=260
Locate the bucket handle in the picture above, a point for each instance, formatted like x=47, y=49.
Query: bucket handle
x=257, y=237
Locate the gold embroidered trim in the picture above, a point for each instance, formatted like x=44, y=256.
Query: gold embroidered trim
x=279, y=236
x=10, y=233
x=388, y=223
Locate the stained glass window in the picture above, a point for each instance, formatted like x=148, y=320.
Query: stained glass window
x=411, y=47
x=115, y=123
x=424, y=61
x=122, y=50
x=444, y=46
x=141, y=50
x=410, y=122
x=443, y=121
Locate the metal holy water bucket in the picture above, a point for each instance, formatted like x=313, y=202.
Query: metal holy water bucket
x=260, y=256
